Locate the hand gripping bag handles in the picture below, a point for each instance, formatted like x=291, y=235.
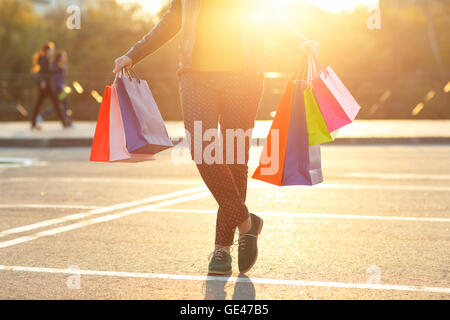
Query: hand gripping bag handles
x=145, y=131
x=292, y=161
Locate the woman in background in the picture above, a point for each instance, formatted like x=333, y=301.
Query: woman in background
x=41, y=66
x=59, y=74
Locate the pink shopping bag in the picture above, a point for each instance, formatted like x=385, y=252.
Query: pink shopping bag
x=336, y=103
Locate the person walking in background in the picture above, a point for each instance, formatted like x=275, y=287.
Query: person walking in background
x=41, y=66
x=59, y=74
x=221, y=80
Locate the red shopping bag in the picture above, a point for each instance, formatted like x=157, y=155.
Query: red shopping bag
x=292, y=161
x=100, y=145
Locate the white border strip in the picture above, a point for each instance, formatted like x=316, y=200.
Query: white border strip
x=315, y=215
x=300, y=283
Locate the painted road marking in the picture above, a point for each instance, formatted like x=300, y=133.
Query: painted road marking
x=48, y=206
x=398, y=176
x=316, y=215
x=374, y=187
x=106, y=180
x=109, y=217
x=251, y=183
x=299, y=283
x=8, y=162
x=101, y=210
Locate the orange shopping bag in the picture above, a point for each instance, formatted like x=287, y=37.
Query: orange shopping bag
x=100, y=145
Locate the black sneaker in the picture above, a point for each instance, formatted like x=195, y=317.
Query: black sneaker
x=248, y=246
x=220, y=262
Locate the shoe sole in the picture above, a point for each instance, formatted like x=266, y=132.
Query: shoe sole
x=219, y=273
x=256, y=257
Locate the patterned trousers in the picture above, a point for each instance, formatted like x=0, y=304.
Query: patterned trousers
x=231, y=99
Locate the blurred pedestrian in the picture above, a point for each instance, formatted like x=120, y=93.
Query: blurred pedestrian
x=59, y=74
x=41, y=66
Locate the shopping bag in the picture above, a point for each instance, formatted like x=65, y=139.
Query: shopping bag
x=109, y=143
x=144, y=127
x=317, y=129
x=117, y=149
x=287, y=158
x=336, y=103
x=100, y=144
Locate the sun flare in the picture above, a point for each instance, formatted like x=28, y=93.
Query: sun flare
x=151, y=6
x=336, y=6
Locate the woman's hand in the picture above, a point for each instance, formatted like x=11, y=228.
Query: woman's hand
x=122, y=62
x=311, y=46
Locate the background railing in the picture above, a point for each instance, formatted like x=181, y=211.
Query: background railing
x=382, y=96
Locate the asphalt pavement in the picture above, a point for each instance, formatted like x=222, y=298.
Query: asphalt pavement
x=377, y=228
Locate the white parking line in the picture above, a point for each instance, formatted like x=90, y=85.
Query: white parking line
x=374, y=187
x=316, y=215
x=47, y=206
x=251, y=183
x=109, y=217
x=299, y=283
x=106, y=180
x=101, y=210
x=397, y=176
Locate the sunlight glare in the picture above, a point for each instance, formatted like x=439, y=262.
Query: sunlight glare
x=151, y=6
x=338, y=6
x=335, y=6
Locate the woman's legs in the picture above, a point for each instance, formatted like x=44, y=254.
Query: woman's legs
x=37, y=106
x=67, y=111
x=204, y=100
x=64, y=103
x=201, y=105
x=43, y=93
x=239, y=104
x=57, y=106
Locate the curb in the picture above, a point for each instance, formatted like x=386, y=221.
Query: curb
x=87, y=142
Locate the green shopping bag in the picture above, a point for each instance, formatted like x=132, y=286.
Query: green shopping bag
x=317, y=128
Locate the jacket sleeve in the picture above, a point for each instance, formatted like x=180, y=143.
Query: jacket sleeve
x=165, y=30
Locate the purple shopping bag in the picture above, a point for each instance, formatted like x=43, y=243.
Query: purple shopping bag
x=295, y=162
x=117, y=141
x=145, y=131
x=302, y=164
